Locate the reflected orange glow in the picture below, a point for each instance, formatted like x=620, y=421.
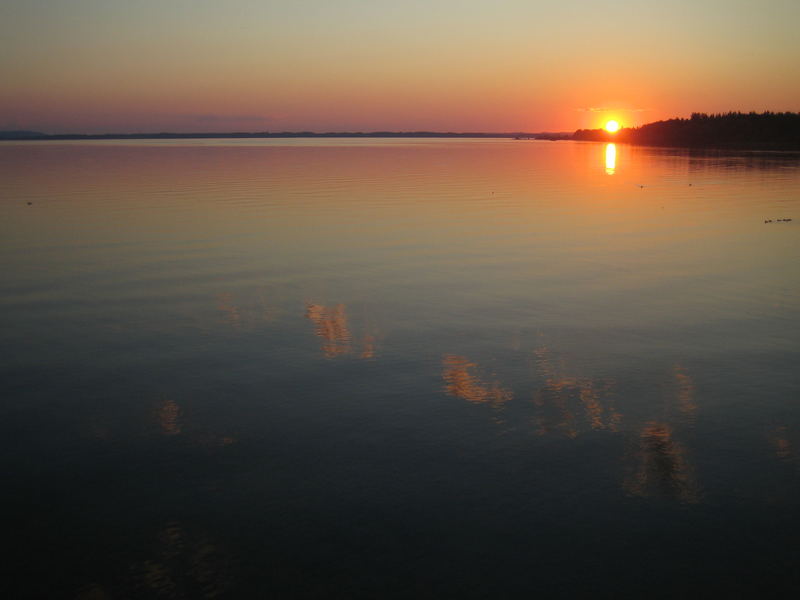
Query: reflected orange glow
x=779, y=438
x=229, y=310
x=567, y=404
x=169, y=420
x=611, y=158
x=685, y=392
x=461, y=382
x=244, y=314
x=58, y=173
x=663, y=469
x=331, y=326
x=368, y=347
x=168, y=415
x=182, y=561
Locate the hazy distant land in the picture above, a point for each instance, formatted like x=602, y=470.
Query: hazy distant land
x=767, y=130
x=35, y=135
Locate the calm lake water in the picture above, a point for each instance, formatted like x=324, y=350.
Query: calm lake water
x=399, y=368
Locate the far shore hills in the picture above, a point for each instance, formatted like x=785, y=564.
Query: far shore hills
x=733, y=130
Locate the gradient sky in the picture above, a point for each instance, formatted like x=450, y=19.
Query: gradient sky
x=358, y=65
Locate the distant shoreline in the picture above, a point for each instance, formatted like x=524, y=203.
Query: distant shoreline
x=37, y=136
x=728, y=131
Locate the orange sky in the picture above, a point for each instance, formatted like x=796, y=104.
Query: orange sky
x=508, y=65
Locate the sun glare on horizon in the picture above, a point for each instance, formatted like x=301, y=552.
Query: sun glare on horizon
x=612, y=126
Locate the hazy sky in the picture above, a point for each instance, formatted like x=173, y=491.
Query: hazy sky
x=324, y=65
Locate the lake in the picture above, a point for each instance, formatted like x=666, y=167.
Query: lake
x=369, y=368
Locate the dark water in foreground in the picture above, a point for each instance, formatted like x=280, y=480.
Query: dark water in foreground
x=410, y=369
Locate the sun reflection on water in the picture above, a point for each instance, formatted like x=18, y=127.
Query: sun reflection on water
x=611, y=158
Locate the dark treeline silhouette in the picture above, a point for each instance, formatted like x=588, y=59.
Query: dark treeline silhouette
x=767, y=130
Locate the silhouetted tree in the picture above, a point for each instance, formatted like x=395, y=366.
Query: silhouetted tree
x=769, y=130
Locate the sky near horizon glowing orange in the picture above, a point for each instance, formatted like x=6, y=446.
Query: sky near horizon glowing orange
x=352, y=65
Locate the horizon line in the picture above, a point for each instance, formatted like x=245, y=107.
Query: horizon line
x=38, y=135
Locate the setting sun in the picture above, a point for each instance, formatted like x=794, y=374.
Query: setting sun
x=612, y=126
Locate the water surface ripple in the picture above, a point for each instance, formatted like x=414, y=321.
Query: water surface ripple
x=399, y=368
